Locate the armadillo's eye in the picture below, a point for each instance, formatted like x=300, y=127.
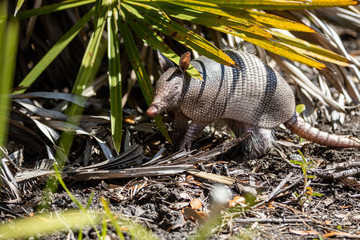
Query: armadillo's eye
x=176, y=87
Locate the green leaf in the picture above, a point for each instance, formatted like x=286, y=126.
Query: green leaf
x=270, y=4
x=316, y=194
x=114, y=79
x=242, y=16
x=18, y=6
x=52, y=8
x=98, y=4
x=213, y=20
x=300, y=108
x=9, y=33
x=91, y=57
x=178, y=32
x=142, y=77
x=310, y=49
x=83, y=78
x=164, y=25
x=283, y=50
x=53, y=52
x=297, y=162
x=150, y=37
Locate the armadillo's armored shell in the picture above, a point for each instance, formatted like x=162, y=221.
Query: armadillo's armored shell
x=257, y=95
x=253, y=94
x=204, y=100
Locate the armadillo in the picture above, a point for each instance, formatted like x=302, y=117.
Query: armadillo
x=250, y=97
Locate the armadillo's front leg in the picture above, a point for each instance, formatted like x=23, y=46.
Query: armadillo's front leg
x=179, y=126
x=192, y=132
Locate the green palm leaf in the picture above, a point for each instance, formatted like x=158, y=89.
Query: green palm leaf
x=9, y=33
x=140, y=72
x=114, y=78
x=178, y=32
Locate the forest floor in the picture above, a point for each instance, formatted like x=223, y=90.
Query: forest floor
x=271, y=198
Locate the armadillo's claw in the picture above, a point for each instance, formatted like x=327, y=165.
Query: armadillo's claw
x=152, y=111
x=187, y=145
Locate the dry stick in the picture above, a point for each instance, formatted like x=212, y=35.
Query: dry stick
x=272, y=220
x=275, y=192
x=336, y=175
x=303, y=220
x=346, y=173
x=278, y=188
x=322, y=225
x=343, y=165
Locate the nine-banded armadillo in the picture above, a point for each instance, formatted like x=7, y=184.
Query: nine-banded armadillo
x=249, y=97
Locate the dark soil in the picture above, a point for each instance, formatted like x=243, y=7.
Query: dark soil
x=303, y=206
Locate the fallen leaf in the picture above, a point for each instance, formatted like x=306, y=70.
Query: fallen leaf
x=197, y=216
x=195, y=204
x=236, y=200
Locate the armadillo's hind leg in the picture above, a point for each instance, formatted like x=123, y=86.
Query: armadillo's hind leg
x=256, y=145
x=259, y=143
x=192, y=132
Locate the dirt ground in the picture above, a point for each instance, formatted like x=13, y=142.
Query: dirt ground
x=279, y=200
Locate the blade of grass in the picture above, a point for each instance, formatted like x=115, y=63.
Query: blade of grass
x=112, y=218
x=9, y=33
x=52, y=8
x=18, y=6
x=114, y=79
x=136, y=231
x=139, y=69
x=98, y=4
x=77, y=202
x=53, y=52
x=46, y=224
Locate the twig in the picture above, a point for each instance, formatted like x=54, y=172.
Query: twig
x=346, y=173
x=276, y=191
x=273, y=220
x=278, y=188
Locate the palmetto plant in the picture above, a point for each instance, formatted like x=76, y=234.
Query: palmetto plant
x=151, y=20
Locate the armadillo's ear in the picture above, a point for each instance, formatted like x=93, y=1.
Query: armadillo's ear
x=185, y=61
x=164, y=62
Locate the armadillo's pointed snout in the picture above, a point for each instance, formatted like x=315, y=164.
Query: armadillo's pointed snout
x=152, y=111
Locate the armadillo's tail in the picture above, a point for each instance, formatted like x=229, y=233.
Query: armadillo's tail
x=297, y=125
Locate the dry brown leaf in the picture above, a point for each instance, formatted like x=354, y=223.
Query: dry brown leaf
x=189, y=178
x=130, y=119
x=340, y=234
x=195, y=204
x=236, y=200
x=198, y=216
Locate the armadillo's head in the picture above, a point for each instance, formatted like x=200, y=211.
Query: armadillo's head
x=169, y=87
